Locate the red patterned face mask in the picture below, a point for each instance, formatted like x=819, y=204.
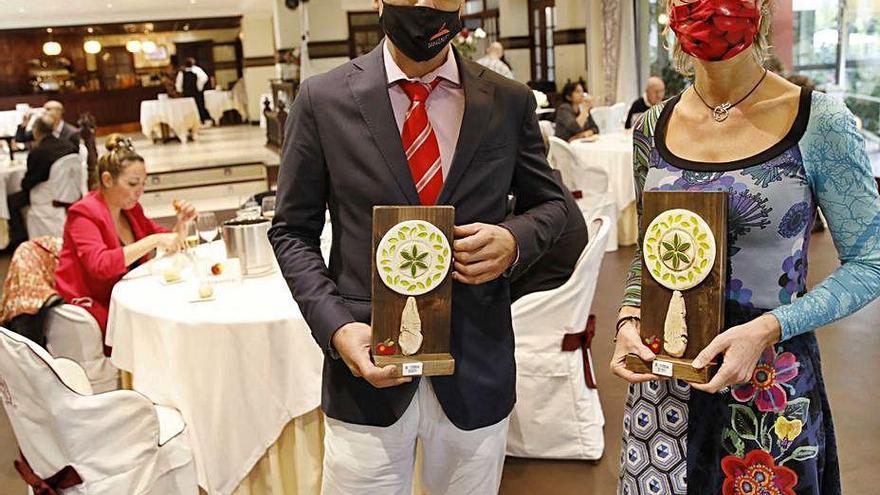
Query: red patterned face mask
x=714, y=30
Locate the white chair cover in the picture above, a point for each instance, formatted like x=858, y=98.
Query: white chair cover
x=556, y=416
x=602, y=116
x=118, y=442
x=73, y=333
x=618, y=117
x=596, y=199
x=547, y=128
x=65, y=184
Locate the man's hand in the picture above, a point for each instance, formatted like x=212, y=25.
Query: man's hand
x=482, y=252
x=352, y=342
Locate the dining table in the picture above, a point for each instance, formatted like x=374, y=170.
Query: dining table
x=11, y=173
x=218, y=101
x=181, y=115
x=613, y=153
x=240, y=365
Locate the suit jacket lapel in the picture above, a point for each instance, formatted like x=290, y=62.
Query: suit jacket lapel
x=369, y=88
x=478, y=95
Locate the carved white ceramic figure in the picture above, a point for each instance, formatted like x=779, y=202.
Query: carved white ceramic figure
x=410, y=338
x=675, y=330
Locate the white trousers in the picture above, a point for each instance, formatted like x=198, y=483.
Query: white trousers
x=367, y=460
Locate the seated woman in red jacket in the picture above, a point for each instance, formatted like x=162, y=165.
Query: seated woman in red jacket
x=106, y=233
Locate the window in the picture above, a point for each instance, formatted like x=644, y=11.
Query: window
x=364, y=32
x=542, y=23
x=837, y=44
x=482, y=14
x=815, y=43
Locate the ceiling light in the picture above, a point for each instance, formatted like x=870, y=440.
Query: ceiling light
x=133, y=46
x=52, y=48
x=90, y=30
x=92, y=46
x=49, y=30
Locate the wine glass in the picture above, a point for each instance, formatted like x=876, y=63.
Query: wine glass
x=269, y=207
x=191, y=238
x=207, y=226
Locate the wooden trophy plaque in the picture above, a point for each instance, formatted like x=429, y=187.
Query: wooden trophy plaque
x=412, y=289
x=684, y=273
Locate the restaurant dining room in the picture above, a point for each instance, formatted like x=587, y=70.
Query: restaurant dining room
x=439, y=247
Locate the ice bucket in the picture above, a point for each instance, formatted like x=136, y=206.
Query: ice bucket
x=246, y=239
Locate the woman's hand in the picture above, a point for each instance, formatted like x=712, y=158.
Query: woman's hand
x=186, y=212
x=630, y=342
x=170, y=242
x=742, y=347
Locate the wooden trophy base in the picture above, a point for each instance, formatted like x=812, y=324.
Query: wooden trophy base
x=418, y=365
x=670, y=367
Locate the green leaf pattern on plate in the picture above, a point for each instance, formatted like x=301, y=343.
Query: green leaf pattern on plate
x=679, y=249
x=413, y=257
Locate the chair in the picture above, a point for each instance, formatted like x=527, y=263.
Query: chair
x=602, y=116
x=618, y=117
x=73, y=333
x=557, y=414
x=50, y=199
x=102, y=444
x=547, y=129
x=588, y=184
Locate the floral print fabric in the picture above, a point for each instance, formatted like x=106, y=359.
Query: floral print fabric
x=772, y=434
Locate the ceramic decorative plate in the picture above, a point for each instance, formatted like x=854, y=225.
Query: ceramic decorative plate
x=413, y=257
x=679, y=249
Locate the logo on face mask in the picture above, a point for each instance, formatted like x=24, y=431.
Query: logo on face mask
x=443, y=32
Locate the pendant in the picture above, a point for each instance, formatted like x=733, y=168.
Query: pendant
x=721, y=112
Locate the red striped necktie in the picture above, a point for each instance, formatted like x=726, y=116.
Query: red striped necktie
x=420, y=142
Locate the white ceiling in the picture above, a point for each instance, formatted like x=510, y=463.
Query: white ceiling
x=48, y=13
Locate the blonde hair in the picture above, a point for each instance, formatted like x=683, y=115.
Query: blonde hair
x=684, y=63
x=120, y=152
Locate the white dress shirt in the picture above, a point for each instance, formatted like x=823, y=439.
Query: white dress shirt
x=445, y=105
x=201, y=78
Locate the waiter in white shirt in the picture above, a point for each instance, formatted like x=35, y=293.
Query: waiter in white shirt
x=191, y=83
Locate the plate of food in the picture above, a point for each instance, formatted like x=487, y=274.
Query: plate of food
x=205, y=293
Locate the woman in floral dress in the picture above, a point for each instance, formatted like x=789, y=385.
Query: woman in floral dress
x=763, y=425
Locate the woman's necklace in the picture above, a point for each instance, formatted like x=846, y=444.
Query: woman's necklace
x=722, y=111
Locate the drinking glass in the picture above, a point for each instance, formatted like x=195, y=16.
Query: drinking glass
x=192, y=236
x=269, y=207
x=207, y=226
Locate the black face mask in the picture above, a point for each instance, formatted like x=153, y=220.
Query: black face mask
x=419, y=32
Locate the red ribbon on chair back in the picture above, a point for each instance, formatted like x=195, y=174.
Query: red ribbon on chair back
x=582, y=340
x=61, y=480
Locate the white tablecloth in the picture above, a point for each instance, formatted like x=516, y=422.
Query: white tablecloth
x=9, y=121
x=180, y=114
x=217, y=102
x=239, y=368
x=11, y=174
x=614, y=154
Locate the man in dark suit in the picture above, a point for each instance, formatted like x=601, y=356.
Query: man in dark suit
x=62, y=129
x=555, y=267
x=654, y=92
x=413, y=123
x=47, y=150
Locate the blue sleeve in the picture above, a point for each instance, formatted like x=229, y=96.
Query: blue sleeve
x=843, y=185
